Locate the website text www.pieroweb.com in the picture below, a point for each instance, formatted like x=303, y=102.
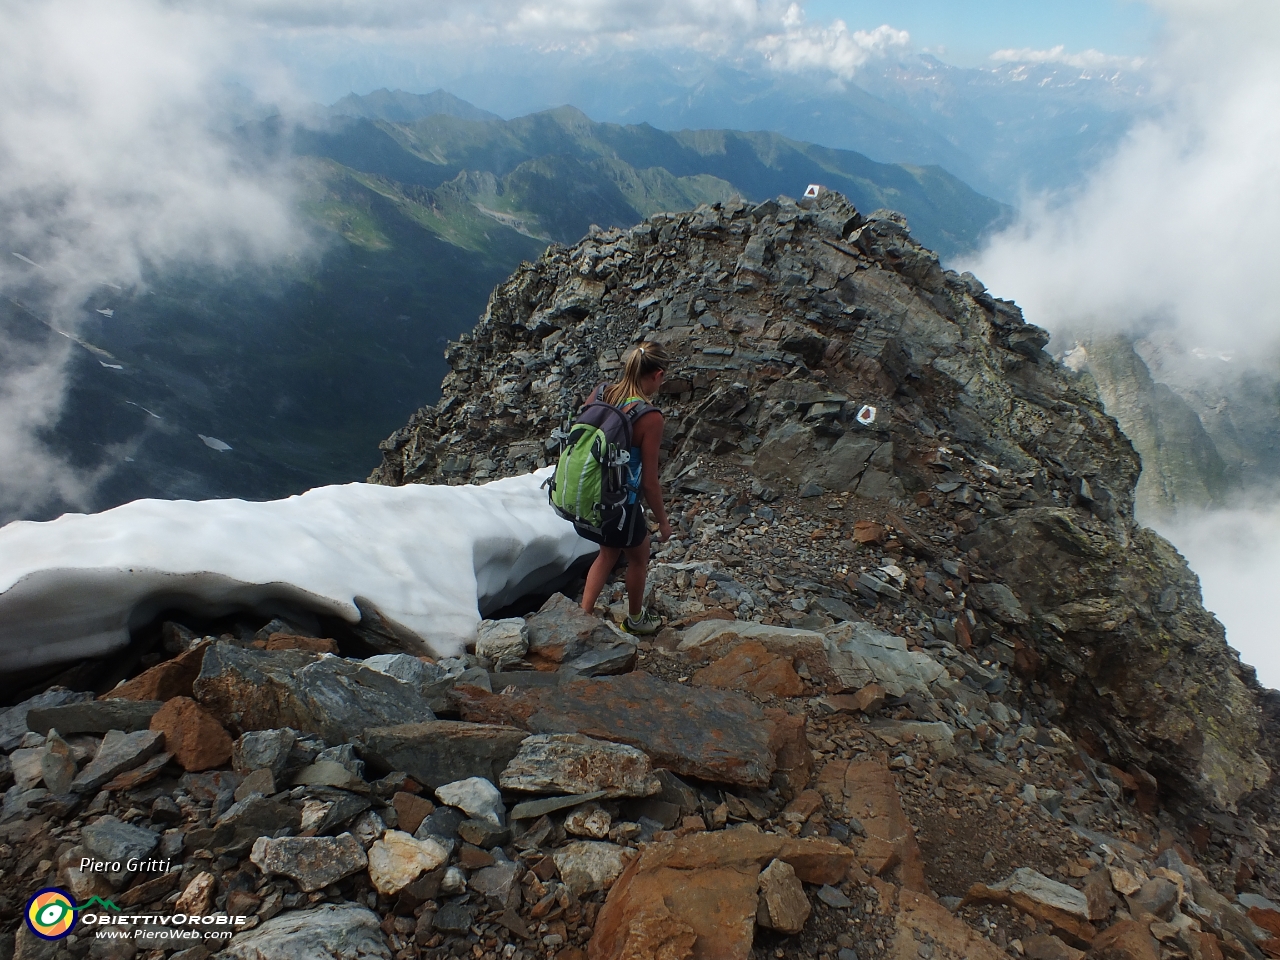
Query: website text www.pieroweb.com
x=53, y=914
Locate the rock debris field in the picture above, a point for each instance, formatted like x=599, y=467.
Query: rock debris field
x=924, y=690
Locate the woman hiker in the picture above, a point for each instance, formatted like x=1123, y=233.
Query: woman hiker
x=643, y=369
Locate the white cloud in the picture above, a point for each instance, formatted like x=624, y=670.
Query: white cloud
x=1237, y=555
x=832, y=49
x=107, y=164
x=1084, y=60
x=1181, y=225
x=774, y=28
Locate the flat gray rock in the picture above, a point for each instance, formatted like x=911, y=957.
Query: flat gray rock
x=532, y=809
x=577, y=764
x=437, y=752
x=93, y=716
x=119, y=752
x=345, y=931
x=13, y=721
x=311, y=862
x=329, y=696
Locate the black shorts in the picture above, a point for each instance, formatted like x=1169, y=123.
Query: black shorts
x=633, y=531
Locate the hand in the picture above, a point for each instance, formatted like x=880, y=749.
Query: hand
x=664, y=531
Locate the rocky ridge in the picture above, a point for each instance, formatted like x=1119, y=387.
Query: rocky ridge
x=788, y=321
x=853, y=740
x=727, y=789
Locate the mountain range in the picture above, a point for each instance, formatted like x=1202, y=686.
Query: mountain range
x=301, y=368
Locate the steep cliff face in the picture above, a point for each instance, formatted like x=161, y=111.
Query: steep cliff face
x=1181, y=467
x=827, y=357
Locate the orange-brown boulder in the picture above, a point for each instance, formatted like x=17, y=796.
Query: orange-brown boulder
x=164, y=681
x=196, y=740
x=753, y=669
x=287, y=641
x=697, y=897
x=1126, y=940
x=866, y=789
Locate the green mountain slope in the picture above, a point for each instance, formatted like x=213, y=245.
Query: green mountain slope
x=303, y=369
x=944, y=212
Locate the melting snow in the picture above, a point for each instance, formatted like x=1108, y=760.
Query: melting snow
x=214, y=443
x=106, y=311
x=428, y=559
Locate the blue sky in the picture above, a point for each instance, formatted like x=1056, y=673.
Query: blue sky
x=968, y=31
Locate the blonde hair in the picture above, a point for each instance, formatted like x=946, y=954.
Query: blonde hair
x=640, y=362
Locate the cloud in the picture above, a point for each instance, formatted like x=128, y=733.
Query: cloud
x=108, y=166
x=833, y=49
x=773, y=28
x=1179, y=227
x=1084, y=60
x=1237, y=555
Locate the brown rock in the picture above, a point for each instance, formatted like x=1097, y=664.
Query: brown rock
x=1204, y=946
x=711, y=640
x=868, y=531
x=285, y=641
x=149, y=891
x=790, y=745
x=132, y=779
x=197, y=897
x=1099, y=895
x=411, y=810
x=866, y=789
x=710, y=734
x=196, y=740
x=782, y=905
x=1041, y=946
x=1268, y=920
x=1126, y=940
x=870, y=698
x=804, y=806
x=920, y=921
x=753, y=669
x=1063, y=907
x=164, y=681
x=697, y=896
x=561, y=631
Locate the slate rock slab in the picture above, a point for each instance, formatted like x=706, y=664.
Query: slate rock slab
x=710, y=734
x=344, y=931
x=13, y=721
x=437, y=752
x=561, y=631
x=119, y=752
x=331, y=697
x=93, y=716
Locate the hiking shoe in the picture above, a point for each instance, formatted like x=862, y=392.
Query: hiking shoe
x=644, y=625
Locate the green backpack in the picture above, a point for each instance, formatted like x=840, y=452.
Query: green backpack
x=589, y=487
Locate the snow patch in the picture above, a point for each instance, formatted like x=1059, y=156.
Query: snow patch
x=428, y=559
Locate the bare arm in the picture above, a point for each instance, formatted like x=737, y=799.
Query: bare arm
x=650, y=430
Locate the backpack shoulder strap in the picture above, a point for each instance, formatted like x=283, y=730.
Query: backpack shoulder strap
x=638, y=410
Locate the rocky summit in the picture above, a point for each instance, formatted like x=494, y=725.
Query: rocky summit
x=925, y=689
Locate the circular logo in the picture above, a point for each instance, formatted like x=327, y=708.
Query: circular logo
x=51, y=913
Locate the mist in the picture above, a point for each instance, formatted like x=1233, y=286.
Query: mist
x=1178, y=234
x=109, y=166
x=1236, y=553
x=1180, y=228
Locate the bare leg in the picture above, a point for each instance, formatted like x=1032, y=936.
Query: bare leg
x=637, y=572
x=598, y=575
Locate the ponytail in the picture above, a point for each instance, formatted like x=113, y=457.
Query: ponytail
x=640, y=362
